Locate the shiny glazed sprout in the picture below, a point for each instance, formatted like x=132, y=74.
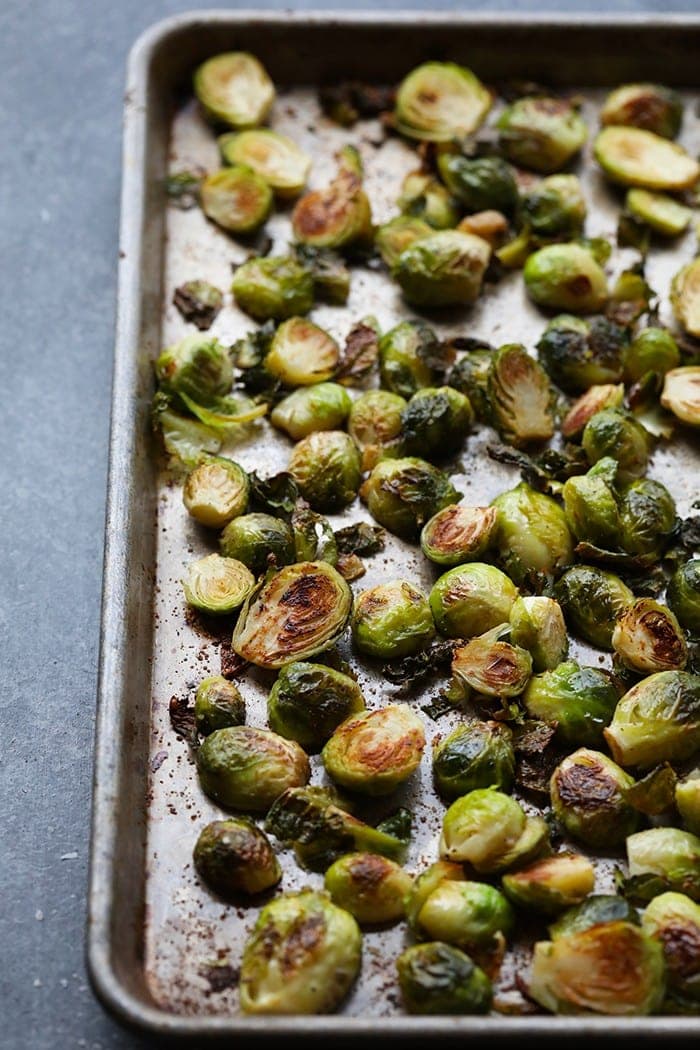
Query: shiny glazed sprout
x=552, y=884
x=657, y=720
x=375, y=751
x=531, y=534
x=402, y=494
x=458, y=534
x=258, y=541
x=391, y=620
x=308, y=702
x=670, y=854
x=647, y=637
x=326, y=467
x=578, y=353
x=651, y=107
x=472, y=756
x=472, y=916
x=323, y=406
x=273, y=288
x=217, y=705
x=370, y=887
x=409, y=354
x=443, y=269
x=566, y=277
x=234, y=88
x=490, y=831
x=216, y=491
x=235, y=857
x=245, y=768
x=592, y=600
x=217, y=585
x=470, y=598
x=580, y=700
x=437, y=978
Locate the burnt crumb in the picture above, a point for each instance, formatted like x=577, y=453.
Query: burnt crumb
x=182, y=719
x=220, y=976
x=232, y=665
x=199, y=303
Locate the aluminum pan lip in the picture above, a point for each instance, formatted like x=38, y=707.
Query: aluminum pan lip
x=107, y=985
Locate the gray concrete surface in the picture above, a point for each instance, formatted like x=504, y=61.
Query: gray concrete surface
x=60, y=106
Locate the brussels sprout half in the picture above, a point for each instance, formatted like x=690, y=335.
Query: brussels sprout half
x=588, y=792
x=555, y=208
x=541, y=133
x=326, y=467
x=647, y=638
x=242, y=767
x=323, y=406
x=531, y=535
x=273, y=288
x=337, y=216
x=391, y=620
x=566, y=277
x=392, y=237
x=375, y=751
x=537, y=624
x=370, y=887
x=657, y=720
x=235, y=857
x=236, y=199
x=435, y=422
x=443, y=269
x=217, y=705
x=409, y=356
x=673, y=920
x=423, y=197
x=662, y=213
x=492, y=667
x=681, y=393
x=439, y=101
x=634, y=157
x=578, y=353
x=520, y=397
x=301, y=353
x=471, y=598
x=551, y=884
x=402, y=494
x=437, y=978
x=217, y=585
x=198, y=367
x=592, y=600
x=234, y=88
x=479, y=183
x=595, y=399
x=491, y=832
x=669, y=853
x=581, y=700
x=458, y=534
x=374, y=423
x=274, y=157
x=258, y=541
x=475, y=755
x=685, y=300
x=472, y=916
x=216, y=491
x=593, y=911
x=308, y=702
x=651, y=107
x=683, y=594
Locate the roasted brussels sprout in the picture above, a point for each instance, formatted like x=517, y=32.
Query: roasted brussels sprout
x=410, y=358
x=581, y=700
x=648, y=518
x=592, y=600
x=541, y=133
x=258, y=540
x=197, y=368
x=235, y=857
x=234, y=88
x=458, y=534
x=634, y=157
x=479, y=183
x=435, y=422
x=687, y=799
x=472, y=598
x=217, y=705
x=375, y=751
x=437, y=978
x=490, y=831
x=591, y=505
x=370, y=887
x=683, y=594
x=391, y=620
x=647, y=638
x=475, y=755
x=593, y=911
x=314, y=539
x=673, y=920
x=555, y=208
x=199, y=302
x=566, y=277
x=648, y=106
x=681, y=393
x=472, y=916
x=551, y=884
x=242, y=767
x=669, y=853
x=402, y=494
x=298, y=613
x=375, y=423
x=444, y=269
x=578, y=353
x=588, y=792
x=337, y=216
x=275, y=287
x=657, y=720
x=329, y=271
x=595, y=399
x=308, y=702
x=616, y=433
x=424, y=884
x=301, y=353
x=423, y=197
x=652, y=350
x=440, y=101
x=660, y=212
x=274, y=157
x=392, y=237
x=326, y=467
x=470, y=376
x=216, y=491
x=537, y=624
x=685, y=300
x=236, y=199
x=492, y=667
x=520, y=397
x=302, y=958
x=217, y=585
x=531, y=533
x=323, y=406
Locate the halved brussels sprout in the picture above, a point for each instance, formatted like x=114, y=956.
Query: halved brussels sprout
x=634, y=157
x=329, y=271
x=541, y=133
x=556, y=208
x=234, y=88
x=437, y=978
x=326, y=467
x=392, y=237
x=492, y=667
x=490, y=225
x=662, y=213
x=217, y=705
x=303, y=956
x=657, y=720
x=439, y=101
x=458, y=534
x=479, y=183
x=671, y=854
x=588, y=792
x=551, y=884
x=681, y=393
x=475, y=755
x=392, y=620
x=616, y=433
x=520, y=397
x=687, y=799
x=337, y=216
x=275, y=287
x=217, y=585
x=648, y=518
x=685, y=300
x=435, y=422
x=258, y=540
x=374, y=423
x=216, y=491
x=444, y=269
x=470, y=376
x=236, y=199
x=578, y=353
x=648, y=106
x=566, y=277
x=683, y=594
x=593, y=911
x=591, y=505
x=402, y=494
x=592, y=600
x=471, y=598
x=308, y=702
x=490, y=831
x=370, y=887
x=298, y=613
x=274, y=157
x=470, y=915
x=531, y=533
x=651, y=350
x=301, y=353
x=647, y=638
x=410, y=358
x=596, y=398
x=314, y=539
x=375, y=751
x=424, y=884
x=673, y=920
x=423, y=197
x=581, y=700
x=537, y=624
x=198, y=368
x=242, y=767
x=323, y=406
x=234, y=856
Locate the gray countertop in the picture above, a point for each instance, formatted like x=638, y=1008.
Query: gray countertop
x=60, y=111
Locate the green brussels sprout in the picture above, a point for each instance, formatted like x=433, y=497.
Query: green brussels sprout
x=409, y=358
x=537, y=624
x=197, y=368
x=551, y=884
x=687, y=799
x=437, y=978
x=681, y=392
x=581, y=700
x=273, y=287
x=375, y=751
x=595, y=399
x=393, y=236
x=458, y=534
x=217, y=585
x=683, y=594
x=556, y=208
x=471, y=598
x=472, y=916
x=634, y=157
x=591, y=505
x=673, y=920
x=651, y=107
x=301, y=611
x=470, y=376
x=242, y=767
x=593, y=911
x=492, y=667
x=685, y=300
x=531, y=533
x=440, y=101
x=657, y=210
x=435, y=422
x=217, y=705
x=323, y=406
x=423, y=197
x=236, y=199
x=520, y=397
x=490, y=831
x=314, y=539
x=274, y=157
x=370, y=887
x=303, y=956
x=375, y=422
x=647, y=638
x=443, y=269
x=216, y=491
x=422, y=887
x=652, y=350
x=402, y=494
x=612, y=968
x=578, y=353
x=592, y=600
x=301, y=353
x=541, y=133
x=337, y=216
x=258, y=540
x=657, y=720
x=392, y=620
x=669, y=853
x=479, y=183
x=308, y=702
x=588, y=792
x=235, y=857
x=565, y=277
x=616, y=433
x=234, y=88
x=326, y=467
x=472, y=756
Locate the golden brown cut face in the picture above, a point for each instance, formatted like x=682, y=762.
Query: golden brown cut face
x=375, y=751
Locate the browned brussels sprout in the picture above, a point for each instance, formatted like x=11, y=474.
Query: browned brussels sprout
x=491, y=831
x=520, y=397
x=338, y=216
x=657, y=720
x=469, y=598
x=274, y=157
x=216, y=491
x=592, y=600
x=217, y=705
x=375, y=423
x=236, y=199
x=423, y=197
x=444, y=269
x=234, y=88
x=588, y=793
x=435, y=422
x=634, y=157
x=458, y=534
x=475, y=755
x=616, y=433
x=541, y=133
x=392, y=237
x=242, y=767
x=392, y=620
x=595, y=399
x=235, y=857
x=437, y=978
x=410, y=358
x=647, y=638
x=537, y=624
x=673, y=920
x=683, y=594
x=375, y=751
x=440, y=101
x=578, y=353
x=326, y=467
x=275, y=287
x=551, y=884
x=672, y=855
x=491, y=666
x=651, y=107
x=532, y=535
x=370, y=887
x=402, y=494
x=479, y=183
x=566, y=277
x=217, y=585
x=308, y=702
x=580, y=700
x=681, y=393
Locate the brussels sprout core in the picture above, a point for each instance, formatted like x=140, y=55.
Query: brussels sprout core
x=634, y=157
x=217, y=585
x=234, y=88
x=392, y=620
x=440, y=101
x=375, y=751
x=234, y=856
x=458, y=534
x=648, y=638
x=681, y=392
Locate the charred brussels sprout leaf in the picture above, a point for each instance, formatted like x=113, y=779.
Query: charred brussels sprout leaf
x=375, y=423
x=236, y=199
x=566, y=277
x=657, y=720
x=580, y=700
x=541, y=133
x=372, y=888
x=634, y=157
x=672, y=855
x=235, y=857
x=423, y=197
x=274, y=157
x=217, y=584
x=314, y=539
x=435, y=422
x=479, y=183
x=555, y=209
x=651, y=107
x=375, y=751
x=458, y=534
x=578, y=353
x=654, y=793
x=673, y=920
x=258, y=540
x=492, y=667
x=647, y=638
x=242, y=767
x=402, y=494
x=470, y=598
x=326, y=467
x=476, y=755
x=198, y=368
x=309, y=701
x=537, y=624
x=276, y=494
x=323, y=406
x=361, y=539
x=391, y=620
x=234, y=88
x=551, y=884
x=217, y=705
x=216, y=491
x=394, y=236
x=589, y=798
x=683, y=595
x=276, y=287
x=198, y=302
x=520, y=397
x=360, y=352
x=410, y=358
x=439, y=101
x=616, y=433
x=592, y=600
x=532, y=535
x=681, y=394
x=437, y=978
x=491, y=832
x=444, y=269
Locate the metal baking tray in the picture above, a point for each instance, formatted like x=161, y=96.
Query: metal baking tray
x=154, y=933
